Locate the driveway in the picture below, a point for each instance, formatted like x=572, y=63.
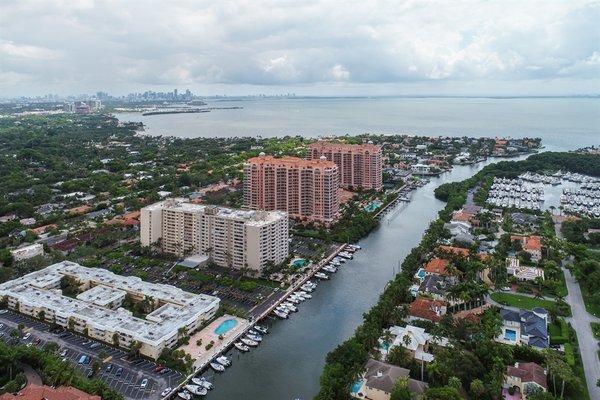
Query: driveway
x=588, y=345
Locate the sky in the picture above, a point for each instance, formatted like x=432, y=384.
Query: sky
x=310, y=47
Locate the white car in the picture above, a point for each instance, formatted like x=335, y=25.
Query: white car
x=166, y=392
x=27, y=336
x=144, y=383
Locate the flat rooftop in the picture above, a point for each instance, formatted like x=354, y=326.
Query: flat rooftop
x=41, y=289
x=249, y=217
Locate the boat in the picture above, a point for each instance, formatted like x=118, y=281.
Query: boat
x=202, y=382
x=218, y=367
x=261, y=329
x=280, y=314
x=196, y=389
x=321, y=275
x=293, y=299
x=224, y=361
x=304, y=294
x=184, y=395
x=241, y=347
x=256, y=338
x=289, y=307
x=247, y=342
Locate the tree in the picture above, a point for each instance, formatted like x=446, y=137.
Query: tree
x=477, y=388
x=454, y=382
x=401, y=390
x=442, y=393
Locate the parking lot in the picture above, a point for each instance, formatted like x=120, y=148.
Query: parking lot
x=119, y=373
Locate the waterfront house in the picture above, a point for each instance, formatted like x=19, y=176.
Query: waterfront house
x=458, y=251
x=524, y=378
x=427, y=309
x=525, y=327
x=379, y=379
x=437, y=266
x=415, y=340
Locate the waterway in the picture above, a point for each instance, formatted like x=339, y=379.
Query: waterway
x=288, y=363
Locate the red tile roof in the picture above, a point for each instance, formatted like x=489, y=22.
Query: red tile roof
x=437, y=266
x=454, y=250
x=35, y=392
x=427, y=309
x=528, y=372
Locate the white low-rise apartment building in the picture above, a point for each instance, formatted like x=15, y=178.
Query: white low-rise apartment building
x=27, y=252
x=97, y=310
x=241, y=239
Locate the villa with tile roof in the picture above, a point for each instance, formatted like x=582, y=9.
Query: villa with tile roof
x=379, y=380
x=424, y=308
x=415, y=340
x=524, y=378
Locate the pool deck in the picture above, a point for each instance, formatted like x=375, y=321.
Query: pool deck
x=202, y=356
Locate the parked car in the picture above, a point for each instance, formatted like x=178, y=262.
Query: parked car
x=144, y=383
x=119, y=371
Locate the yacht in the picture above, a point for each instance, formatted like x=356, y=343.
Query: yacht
x=224, y=361
x=218, y=367
x=293, y=299
x=256, y=338
x=242, y=347
x=304, y=294
x=202, y=382
x=290, y=307
x=197, y=390
x=247, y=342
x=261, y=329
x=185, y=395
x=321, y=275
x=280, y=314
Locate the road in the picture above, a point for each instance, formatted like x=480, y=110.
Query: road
x=588, y=345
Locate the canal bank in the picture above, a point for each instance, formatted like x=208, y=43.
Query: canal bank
x=288, y=363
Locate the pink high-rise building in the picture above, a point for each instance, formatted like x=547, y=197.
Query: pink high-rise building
x=307, y=189
x=360, y=165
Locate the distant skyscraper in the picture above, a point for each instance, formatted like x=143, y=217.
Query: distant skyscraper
x=307, y=189
x=175, y=94
x=360, y=165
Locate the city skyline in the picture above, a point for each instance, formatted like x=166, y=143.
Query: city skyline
x=312, y=49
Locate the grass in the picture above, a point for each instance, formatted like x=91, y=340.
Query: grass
x=589, y=305
x=515, y=300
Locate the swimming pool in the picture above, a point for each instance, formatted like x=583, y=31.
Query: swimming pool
x=299, y=263
x=510, y=334
x=226, y=326
x=356, y=386
x=420, y=274
x=372, y=206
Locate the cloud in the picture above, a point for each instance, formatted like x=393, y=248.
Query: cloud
x=116, y=45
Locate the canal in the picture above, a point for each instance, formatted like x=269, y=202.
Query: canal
x=288, y=363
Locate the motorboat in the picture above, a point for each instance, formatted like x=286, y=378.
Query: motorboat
x=290, y=307
x=256, y=338
x=261, y=329
x=307, y=288
x=196, y=389
x=184, y=395
x=247, y=342
x=224, y=361
x=242, y=347
x=218, y=367
x=280, y=314
x=202, y=382
x=321, y=275
x=303, y=294
x=293, y=299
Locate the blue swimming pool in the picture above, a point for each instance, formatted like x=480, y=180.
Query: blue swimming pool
x=383, y=345
x=372, y=206
x=356, y=386
x=299, y=263
x=510, y=334
x=225, y=326
x=420, y=274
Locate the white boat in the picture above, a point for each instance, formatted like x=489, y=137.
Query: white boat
x=224, y=361
x=261, y=329
x=184, y=395
x=241, y=347
x=256, y=338
x=293, y=299
x=247, y=342
x=202, y=382
x=196, y=389
x=304, y=294
x=280, y=314
x=218, y=367
x=321, y=275
x=289, y=307
x=307, y=288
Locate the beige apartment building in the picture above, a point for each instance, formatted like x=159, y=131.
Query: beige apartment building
x=360, y=165
x=97, y=309
x=241, y=239
x=307, y=189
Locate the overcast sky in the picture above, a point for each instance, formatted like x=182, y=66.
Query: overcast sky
x=308, y=47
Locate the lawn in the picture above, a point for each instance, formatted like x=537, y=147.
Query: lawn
x=589, y=305
x=515, y=300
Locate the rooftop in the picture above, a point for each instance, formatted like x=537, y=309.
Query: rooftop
x=292, y=162
x=39, y=289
